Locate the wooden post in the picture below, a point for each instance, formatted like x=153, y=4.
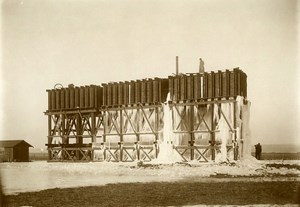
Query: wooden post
x=49, y=135
x=213, y=128
x=235, y=144
x=192, y=137
x=156, y=128
x=93, y=132
x=121, y=135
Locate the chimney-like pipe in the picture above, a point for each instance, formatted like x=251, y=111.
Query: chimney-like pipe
x=201, y=66
x=177, y=69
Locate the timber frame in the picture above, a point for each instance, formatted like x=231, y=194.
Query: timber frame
x=132, y=132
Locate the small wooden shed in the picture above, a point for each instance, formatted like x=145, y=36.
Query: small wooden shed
x=14, y=151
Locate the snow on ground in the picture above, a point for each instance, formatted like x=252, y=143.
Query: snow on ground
x=34, y=176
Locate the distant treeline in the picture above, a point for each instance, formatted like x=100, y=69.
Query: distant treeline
x=279, y=156
x=38, y=156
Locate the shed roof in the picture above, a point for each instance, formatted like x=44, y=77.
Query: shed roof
x=13, y=143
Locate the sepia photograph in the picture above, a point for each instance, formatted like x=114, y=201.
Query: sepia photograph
x=150, y=103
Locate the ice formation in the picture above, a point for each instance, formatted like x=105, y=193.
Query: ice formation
x=167, y=154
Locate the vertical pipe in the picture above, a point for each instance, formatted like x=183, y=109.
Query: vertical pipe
x=177, y=66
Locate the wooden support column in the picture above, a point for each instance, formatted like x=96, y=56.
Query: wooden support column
x=105, y=124
x=49, y=135
x=212, y=135
x=62, y=132
x=121, y=135
x=235, y=144
x=93, y=132
x=156, y=129
x=138, y=123
x=78, y=133
x=191, y=129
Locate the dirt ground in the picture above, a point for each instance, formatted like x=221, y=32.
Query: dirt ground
x=164, y=194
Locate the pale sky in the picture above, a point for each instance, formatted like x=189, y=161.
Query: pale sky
x=92, y=42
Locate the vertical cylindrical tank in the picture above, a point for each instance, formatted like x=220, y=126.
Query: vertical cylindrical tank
x=143, y=91
x=109, y=94
x=217, y=84
x=156, y=90
x=132, y=92
x=92, y=96
x=53, y=99
x=231, y=84
x=149, y=90
x=176, y=88
x=138, y=91
x=189, y=87
x=72, y=97
x=210, y=85
x=49, y=99
x=86, y=96
x=57, y=94
x=114, y=94
x=225, y=83
x=197, y=86
x=62, y=98
x=171, y=87
x=76, y=97
x=120, y=93
x=126, y=92
x=164, y=89
x=182, y=87
x=81, y=97
x=104, y=94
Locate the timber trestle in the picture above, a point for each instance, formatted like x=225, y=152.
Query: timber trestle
x=113, y=134
x=199, y=114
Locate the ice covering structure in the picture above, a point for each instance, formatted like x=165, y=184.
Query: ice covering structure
x=199, y=117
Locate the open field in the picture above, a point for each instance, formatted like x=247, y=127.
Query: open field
x=164, y=194
x=151, y=184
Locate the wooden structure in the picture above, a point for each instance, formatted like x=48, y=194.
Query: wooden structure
x=14, y=150
x=123, y=121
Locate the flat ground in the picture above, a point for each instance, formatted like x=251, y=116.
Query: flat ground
x=164, y=194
